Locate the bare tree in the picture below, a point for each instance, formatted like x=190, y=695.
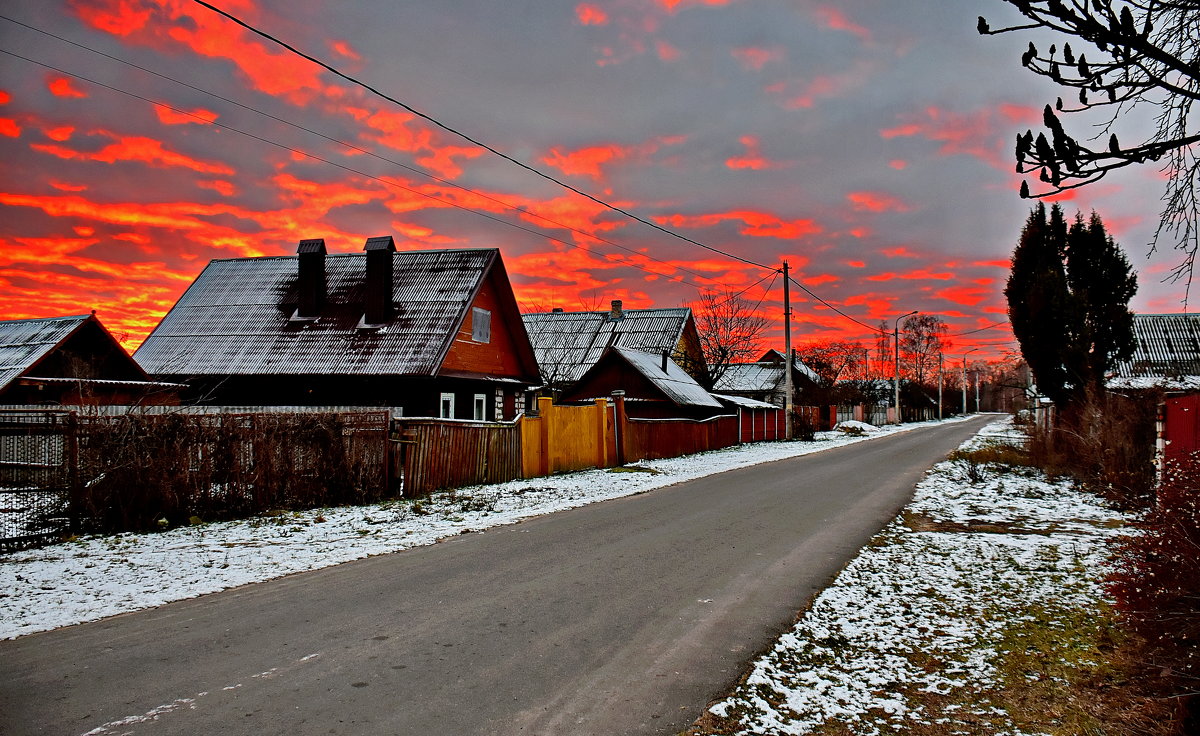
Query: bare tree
x=883, y=350
x=729, y=331
x=921, y=346
x=1143, y=54
x=836, y=360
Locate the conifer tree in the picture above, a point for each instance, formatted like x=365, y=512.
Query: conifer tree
x=1068, y=296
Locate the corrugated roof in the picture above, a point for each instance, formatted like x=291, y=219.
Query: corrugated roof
x=235, y=319
x=1168, y=345
x=744, y=402
x=675, y=383
x=751, y=377
x=567, y=344
x=24, y=342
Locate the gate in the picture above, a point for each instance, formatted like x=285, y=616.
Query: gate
x=37, y=472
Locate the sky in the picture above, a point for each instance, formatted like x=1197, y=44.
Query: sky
x=868, y=143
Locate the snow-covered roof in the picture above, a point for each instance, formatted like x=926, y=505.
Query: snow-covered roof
x=23, y=342
x=744, y=402
x=674, y=381
x=236, y=318
x=759, y=377
x=567, y=344
x=1168, y=346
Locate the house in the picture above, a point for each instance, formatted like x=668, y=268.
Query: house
x=1165, y=366
x=764, y=379
x=654, y=386
x=72, y=361
x=427, y=333
x=567, y=344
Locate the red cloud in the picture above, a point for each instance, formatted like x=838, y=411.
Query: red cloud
x=752, y=57
x=63, y=186
x=5, y=97
x=803, y=94
x=899, y=251
x=221, y=187
x=136, y=148
x=753, y=158
x=969, y=296
x=672, y=5
x=922, y=274
x=898, y=164
x=978, y=133
x=590, y=15
x=824, y=278
x=343, y=48
x=64, y=87
x=667, y=52
x=876, y=202
x=832, y=17
x=199, y=116
x=9, y=128
x=61, y=134
x=588, y=161
x=755, y=224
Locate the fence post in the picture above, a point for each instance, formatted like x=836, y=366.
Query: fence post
x=601, y=433
x=620, y=426
x=74, y=477
x=545, y=411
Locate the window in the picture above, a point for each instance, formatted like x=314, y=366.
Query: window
x=446, y=406
x=480, y=407
x=481, y=325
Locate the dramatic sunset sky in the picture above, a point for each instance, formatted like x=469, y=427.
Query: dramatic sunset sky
x=868, y=142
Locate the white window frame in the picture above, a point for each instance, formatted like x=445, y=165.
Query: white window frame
x=479, y=406
x=481, y=325
x=446, y=397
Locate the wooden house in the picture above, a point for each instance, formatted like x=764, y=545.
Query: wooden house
x=764, y=379
x=427, y=333
x=568, y=344
x=72, y=361
x=654, y=386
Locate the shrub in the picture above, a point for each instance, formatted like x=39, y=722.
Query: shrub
x=1156, y=586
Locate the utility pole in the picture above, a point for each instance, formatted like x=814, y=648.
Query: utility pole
x=896, y=358
x=941, y=359
x=787, y=351
x=964, y=378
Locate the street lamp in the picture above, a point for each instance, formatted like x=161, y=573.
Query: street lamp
x=964, y=378
x=896, y=356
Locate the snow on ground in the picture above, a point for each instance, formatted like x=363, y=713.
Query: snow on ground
x=923, y=608
x=95, y=577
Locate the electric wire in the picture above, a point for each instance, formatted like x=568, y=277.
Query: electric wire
x=810, y=292
x=359, y=83
x=388, y=182
x=359, y=149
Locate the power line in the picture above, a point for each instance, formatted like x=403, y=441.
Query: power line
x=981, y=329
x=350, y=169
x=835, y=309
x=468, y=138
x=359, y=149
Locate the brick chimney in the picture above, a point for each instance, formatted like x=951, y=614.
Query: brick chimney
x=311, y=278
x=616, y=314
x=379, y=280
x=666, y=357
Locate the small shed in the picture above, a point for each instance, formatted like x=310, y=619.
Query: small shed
x=655, y=386
x=72, y=361
x=1165, y=367
x=757, y=420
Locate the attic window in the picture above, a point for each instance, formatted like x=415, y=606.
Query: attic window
x=481, y=325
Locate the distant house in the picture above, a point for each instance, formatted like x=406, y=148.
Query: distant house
x=72, y=361
x=1166, y=366
x=654, y=386
x=764, y=379
x=569, y=343
x=428, y=333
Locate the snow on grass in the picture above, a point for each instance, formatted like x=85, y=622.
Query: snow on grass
x=912, y=634
x=95, y=577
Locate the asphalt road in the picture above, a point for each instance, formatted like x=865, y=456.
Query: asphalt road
x=624, y=617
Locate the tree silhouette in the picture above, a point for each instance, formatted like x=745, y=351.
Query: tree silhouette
x=729, y=331
x=922, y=343
x=1068, y=297
x=1143, y=53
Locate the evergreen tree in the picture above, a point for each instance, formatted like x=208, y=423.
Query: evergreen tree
x=1101, y=282
x=1068, y=296
x=1038, y=299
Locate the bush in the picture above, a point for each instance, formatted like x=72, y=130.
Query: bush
x=1156, y=586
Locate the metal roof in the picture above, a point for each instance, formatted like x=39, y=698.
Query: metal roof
x=567, y=344
x=23, y=342
x=674, y=382
x=236, y=318
x=744, y=402
x=1168, y=346
x=757, y=377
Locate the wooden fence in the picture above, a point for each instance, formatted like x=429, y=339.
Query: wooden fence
x=434, y=454
x=565, y=438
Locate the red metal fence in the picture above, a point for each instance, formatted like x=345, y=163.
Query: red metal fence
x=654, y=439
x=1181, y=425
